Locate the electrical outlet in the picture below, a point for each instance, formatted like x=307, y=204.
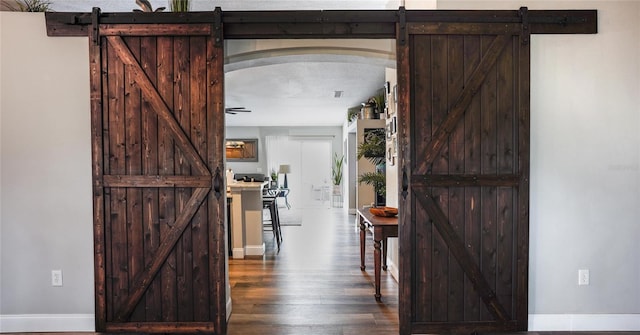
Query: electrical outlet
x=56, y=277
x=583, y=277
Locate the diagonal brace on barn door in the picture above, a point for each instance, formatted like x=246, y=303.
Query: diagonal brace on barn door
x=159, y=105
x=466, y=261
x=142, y=281
x=457, y=110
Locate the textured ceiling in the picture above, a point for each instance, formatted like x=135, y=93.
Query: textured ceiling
x=296, y=88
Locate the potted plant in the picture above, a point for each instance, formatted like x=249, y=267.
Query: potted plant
x=145, y=6
x=378, y=100
x=352, y=114
x=179, y=5
x=28, y=6
x=378, y=180
x=336, y=172
x=373, y=149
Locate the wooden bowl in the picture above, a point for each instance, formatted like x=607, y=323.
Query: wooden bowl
x=384, y=211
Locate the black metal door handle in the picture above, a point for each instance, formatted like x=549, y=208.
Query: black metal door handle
x=405, y=182
x=217, y=183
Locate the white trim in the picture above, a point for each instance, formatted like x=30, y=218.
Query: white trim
x=584, y=322
x=238, y=253
x=537, y=322
x=254, y=250
x=229, y=307
x=393, y=269
x=13, y=323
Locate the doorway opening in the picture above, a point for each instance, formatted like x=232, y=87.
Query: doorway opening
x=295, y=272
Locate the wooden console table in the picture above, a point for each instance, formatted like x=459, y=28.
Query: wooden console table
x=383, y=227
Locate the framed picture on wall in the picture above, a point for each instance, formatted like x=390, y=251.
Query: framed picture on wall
x=242, y=149
x=395, y=93
x=394, y=125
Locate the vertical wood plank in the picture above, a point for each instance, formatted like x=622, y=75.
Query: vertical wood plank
x=440, y=107
x=107, y=191
x=408, y=292
x=422, y=93
x=217, y=206
x=133, y=166
x=97, y=160
x=472, y=165
x=117, y=153
x=181, y=110
x=455, y=85
x=489, y=166
x=421, y=128
x=506, y=146
x=199, y=132
x=153, y=297
x=166, y=167
x=522, y=213
x=439, y=97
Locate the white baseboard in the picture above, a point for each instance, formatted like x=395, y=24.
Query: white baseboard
x=584, y=322
x=229, y=307
x=392, y=268
x=25, y=323
x=254, y=250
x=237, y=253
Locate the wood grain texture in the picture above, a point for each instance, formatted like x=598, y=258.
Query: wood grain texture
x=330, y=24
x=160, y=274
x=97, y=171
x=465, y=181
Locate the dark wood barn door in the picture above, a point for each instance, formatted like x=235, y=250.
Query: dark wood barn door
x=157, y=134
x=464, y=104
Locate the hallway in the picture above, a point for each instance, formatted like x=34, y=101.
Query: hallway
x=314, y=284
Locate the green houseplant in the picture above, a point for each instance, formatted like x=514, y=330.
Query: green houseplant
x=28, y=6
x=378, y=100
x=179, y=5
x=145, y=6
x=373, y=149
x=336, y=170
x=376, y=179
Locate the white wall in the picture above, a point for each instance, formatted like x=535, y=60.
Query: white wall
x=585, y=173
x=392, y=199
x=261, y=132
x=46, y=209
x=248, y=167
x=585, y=167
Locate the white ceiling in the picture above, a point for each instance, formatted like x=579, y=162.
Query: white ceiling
x=292, y=88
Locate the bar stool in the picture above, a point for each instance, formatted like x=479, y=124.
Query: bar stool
x=270, y=204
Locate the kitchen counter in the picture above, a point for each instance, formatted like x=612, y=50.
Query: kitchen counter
x=246, y=218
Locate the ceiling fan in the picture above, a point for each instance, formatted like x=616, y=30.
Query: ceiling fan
x=236, y=110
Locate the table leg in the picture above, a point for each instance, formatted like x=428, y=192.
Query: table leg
x=363, y=232
x=384, y=255
x=376, y=264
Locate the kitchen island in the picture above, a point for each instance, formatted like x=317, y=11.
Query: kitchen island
x=246, y=219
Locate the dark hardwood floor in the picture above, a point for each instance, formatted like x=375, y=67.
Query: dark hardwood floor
x=314, y=284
